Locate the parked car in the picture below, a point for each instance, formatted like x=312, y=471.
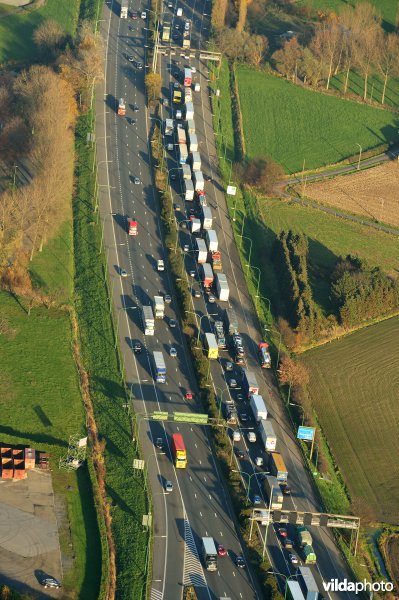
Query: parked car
x=50, y=582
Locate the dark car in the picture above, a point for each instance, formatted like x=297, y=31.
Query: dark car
x=175, y=36
x=135, y=16
x=139, y=65
x=240, y=453
x=287, y=543
x=240, y=562
x=244, y=418
x=229, y=366
x=50, y=582
x=286, y=490
x=137, y=348
x=135, y=108
x=197, y=294
x=159, y=443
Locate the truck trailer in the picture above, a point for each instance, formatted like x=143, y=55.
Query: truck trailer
x=231, y=321
x=188, y=79
x=258, y=408
x=188, y=190
x=186, y=171
x=277, y=467
x=211, y=345
x=159, y=307
x=198, y=180
x=169, y=127
x=195, y=227
x=189, y=111
x=202, y=252
x=206, y=217
x=209, y=554
x=190, y=126
x=206, y=275
x=222, y=287
x=160, y=367
x=273, y=492
x=211, y=239
x=193, y=142
x=249, y=383
x=124, y=9
x=183, y=153
x=166, y=32
x=148, y=320
x=196, y=161
x=219, y=334
x=267, y=435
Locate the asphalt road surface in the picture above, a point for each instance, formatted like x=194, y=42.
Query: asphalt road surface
x=198, y=505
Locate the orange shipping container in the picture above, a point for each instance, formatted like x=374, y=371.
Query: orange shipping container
x=30, y=458
x=7, y=470
x=5, y=452
x=19, y=468
x=18, y=453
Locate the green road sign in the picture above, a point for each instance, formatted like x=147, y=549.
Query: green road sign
x=200, y=419
x=158, y=415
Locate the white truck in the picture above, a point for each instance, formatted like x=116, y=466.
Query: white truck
x=206, y=218
x=195, y=225
x=267, y=435
x=202, y=252
x=149, y=321
x=193, y=142
x=198, y=180
x=186, y=171
x=189, y=190
x=124, y=8
x=169, y=127
x=189, y=111
x=222, y=287
x=196, y=161
x=209, y=554
x=159, y=307
x=183, y=153
x=258, y=407
x=190, y=126
x=211, y=240
x=273, y=492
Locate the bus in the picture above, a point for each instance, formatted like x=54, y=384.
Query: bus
x=278, y=468
x=179, y=451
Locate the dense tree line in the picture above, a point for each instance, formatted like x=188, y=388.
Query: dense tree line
x=38, y=109
x=352, y=40
x=360, y=292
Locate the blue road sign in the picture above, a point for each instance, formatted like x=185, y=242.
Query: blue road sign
x=306, y=433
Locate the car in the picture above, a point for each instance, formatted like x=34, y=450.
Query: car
x=240, y=453
x=282, y=531
x=139, y=65
x=233, y=383
x=239, y=360
x=143, y=14
x=207, y=178
x=244, y=418
x=256, y=500
x=135, y=16
x=170, y=5
x=251, y=437
x=168, y=486
x=173, y=352
x=287, y=543
x=183, y=225
x=191, y=211
x=293, y=559
x=196, y=294
x=237, y=338
x=170, y=147
x=137, y=181
x=186, y=248
x=176, y=74
x=173, y=177
x=188, y=395
x=50, y=582
x=221, y=550
x=229, y=366
x=236, y=436
x=212, y=299
x=285, y=489
x=167, y=298
x=137, y=347
x=240, y=562
x=172, y=323
x=192, y=273
x=175, y=36
x=123, y=273
x=193, y=69
x=176, y=207
x=159, y=443
x=259, y=461
x=131, y=121
x=240, y=397
x=177, y=26
x=187, y=25
x=130, y=58
x=176, y=86
x=135, y=108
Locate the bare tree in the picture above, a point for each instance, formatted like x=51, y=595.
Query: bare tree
x=293, y=373
x=219, y=10
x=49, y=36
x=326, y=45
x=367, y=25
x=287, y=58
x=387, y=57
x=257, y=48
x=242, y=15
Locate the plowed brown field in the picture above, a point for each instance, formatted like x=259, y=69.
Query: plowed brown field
x=373, y=193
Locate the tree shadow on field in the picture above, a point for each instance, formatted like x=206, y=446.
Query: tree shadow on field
x=321, y=264
x=109, y=388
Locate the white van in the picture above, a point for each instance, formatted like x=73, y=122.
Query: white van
x=236, y=436
x=179, y=12
x=251, y=436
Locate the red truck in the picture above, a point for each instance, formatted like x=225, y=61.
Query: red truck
x=207, y=275
x=132, y=226
x=216, y=260
x=187, y=77
x=121, y=107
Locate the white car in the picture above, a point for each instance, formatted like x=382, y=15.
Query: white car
x=259, y=461
x=143, y=15
x=251, y=437
x=160, y=265
x=173, y=352
x=123, y=273
x=193, y=69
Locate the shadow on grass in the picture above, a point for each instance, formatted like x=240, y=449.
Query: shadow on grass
x=39, y=438
x=42, y=416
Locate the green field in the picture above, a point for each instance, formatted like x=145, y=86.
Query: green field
x=354, y=388
x=293, y=124
x=386, y=8
x=374, y=88
x=16, y=28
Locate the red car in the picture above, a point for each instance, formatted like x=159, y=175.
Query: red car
x=221, y=550
x=282, y=532
x=188, y=395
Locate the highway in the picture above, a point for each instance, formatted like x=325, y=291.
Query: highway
x=330, y=563
x=198, y=505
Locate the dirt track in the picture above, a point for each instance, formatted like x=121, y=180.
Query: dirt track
x=373, y=193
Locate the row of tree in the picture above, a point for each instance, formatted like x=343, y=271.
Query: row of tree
x=360, y=293
x=290, y=259
x=38, y=110
x=352, y=40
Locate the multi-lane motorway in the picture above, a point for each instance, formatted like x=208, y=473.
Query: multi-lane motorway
x=198, y=505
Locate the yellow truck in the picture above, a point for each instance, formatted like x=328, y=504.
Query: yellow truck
x=211, y=345
x=176, y=96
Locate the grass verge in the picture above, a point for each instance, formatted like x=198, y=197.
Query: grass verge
x=125, y=489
